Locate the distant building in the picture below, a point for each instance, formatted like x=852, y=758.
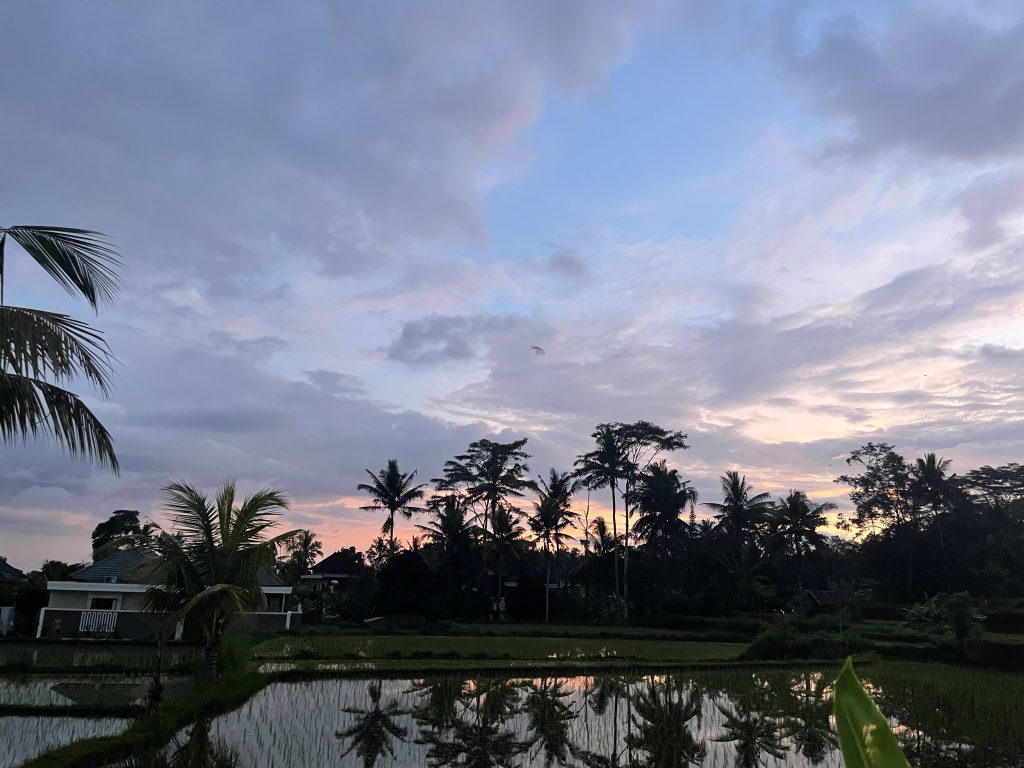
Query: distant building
x=332, y=573
x=826, y=600
x=105, y=600
x=8, y=573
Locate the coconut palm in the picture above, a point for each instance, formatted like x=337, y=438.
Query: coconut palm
x=661, y=717
x=741, y=511
x=753, y=733
x=392, y=491
x=209, y=568
x=642, y=442
x=552, y=517
x=478, y=738
x=793, y=524
x=661, y=497
x=605, y=467
x=305, y=549
x=503, y=542
x=806, y=720
x=604, y=542
x=450, y=530
x=374, y=728
x=40, y=351
x=931, y=484
x=491, y=473
x=548, y=718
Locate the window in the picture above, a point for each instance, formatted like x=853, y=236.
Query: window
x=103, y=604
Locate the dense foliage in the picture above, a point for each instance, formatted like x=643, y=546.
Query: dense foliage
x=481, y=549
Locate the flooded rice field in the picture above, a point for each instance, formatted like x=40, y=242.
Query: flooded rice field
x=778, y=718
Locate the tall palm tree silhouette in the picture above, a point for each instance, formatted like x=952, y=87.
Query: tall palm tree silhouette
x=392, y=491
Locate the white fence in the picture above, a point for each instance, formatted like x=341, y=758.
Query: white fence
x=97, y=621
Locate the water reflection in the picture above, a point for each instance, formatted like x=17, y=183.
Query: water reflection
x=373, y=729
x=720, y=719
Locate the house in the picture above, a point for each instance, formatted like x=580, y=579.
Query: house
x=331, y=573
x=8, y=573
x=826, y=600
x=106, y=600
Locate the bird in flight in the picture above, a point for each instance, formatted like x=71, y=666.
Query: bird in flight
x=537, y=350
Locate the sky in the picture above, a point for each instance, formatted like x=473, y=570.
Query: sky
x=784, y=228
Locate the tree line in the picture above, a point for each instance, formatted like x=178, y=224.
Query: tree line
x=916, y=529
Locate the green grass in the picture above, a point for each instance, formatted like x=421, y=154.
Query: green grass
x=517, y=649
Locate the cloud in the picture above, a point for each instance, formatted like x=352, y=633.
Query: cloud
x=941, y=83
x=440, y=338
x=989, y=204
x=566, y=262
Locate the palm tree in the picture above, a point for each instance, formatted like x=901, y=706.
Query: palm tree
x=642, y=442
x=930, y=481
x=604, y=541
x=553, y=515
x=374, y=728
x=490, y=472
x=305, y=549
x=392, y=490
x=753, y=733
x=504, y=541
x=548, y=719
x=806, y=720
x=794, y=523
x=661, y=497
x=604, y=467
x=211, y=565
x=42, y=351
x=449, y=530
x=740, y=512
x=479, y=738
x=662, y=716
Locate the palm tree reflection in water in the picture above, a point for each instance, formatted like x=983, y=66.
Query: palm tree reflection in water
x=374, y=729
x=713, y=718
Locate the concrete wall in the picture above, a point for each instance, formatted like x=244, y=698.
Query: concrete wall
x=128, y=601
x=68, y=600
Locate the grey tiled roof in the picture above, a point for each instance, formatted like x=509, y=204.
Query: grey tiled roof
x=128, y=567
x=134, y=566
x=9, y=573
x=269, y=579
x=338, y=564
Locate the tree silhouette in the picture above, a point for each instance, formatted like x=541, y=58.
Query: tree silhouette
x=491, y=473
x=793, y=525
x=605, y=467
x=208, y=570
x=41, y=352
x=548, y=720
x=393, y=491
x=552, y=517
x=374, y=729
x=660, y=497
x=661, y=715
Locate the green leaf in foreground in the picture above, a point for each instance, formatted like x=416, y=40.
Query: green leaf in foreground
x=864, y=734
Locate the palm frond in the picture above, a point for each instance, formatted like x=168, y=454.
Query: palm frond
x=50, y=345
x=29, y=406
x=191, y=513
x=80, y=260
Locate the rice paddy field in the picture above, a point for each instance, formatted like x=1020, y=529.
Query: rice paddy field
x=715, y=718
x=515, y=700
x=25, y=737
